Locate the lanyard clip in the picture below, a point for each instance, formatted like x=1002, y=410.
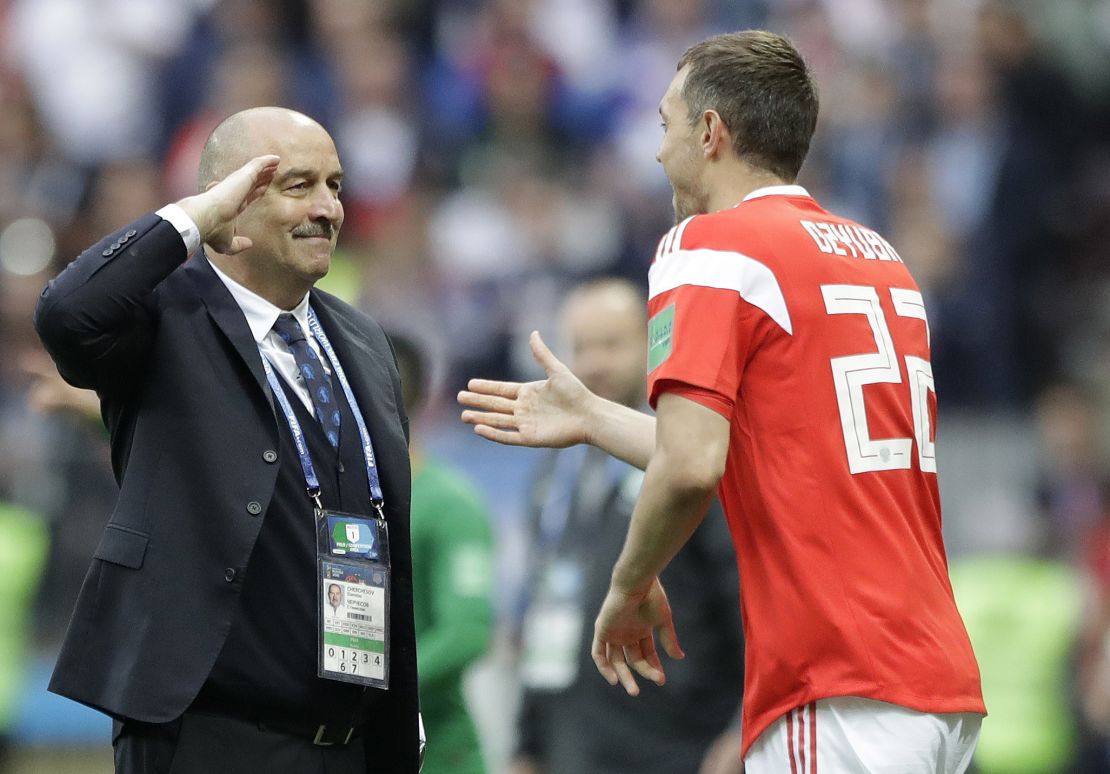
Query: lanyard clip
x=378, y=507
x=314, y=493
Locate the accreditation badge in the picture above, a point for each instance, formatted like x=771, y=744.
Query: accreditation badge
x=553, y=625
x=353, y=593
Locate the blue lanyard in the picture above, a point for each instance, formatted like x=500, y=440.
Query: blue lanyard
x=562, y=488
x=312, y=482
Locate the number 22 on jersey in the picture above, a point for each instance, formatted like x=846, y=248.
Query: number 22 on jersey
x=851, y=373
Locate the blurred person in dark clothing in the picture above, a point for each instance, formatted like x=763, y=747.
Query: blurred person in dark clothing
x=24, y=534
x=571, y=722
x=76, y=491
x=452, y=582
x=1074, y=497
x=1042, y=127
x=23, y=544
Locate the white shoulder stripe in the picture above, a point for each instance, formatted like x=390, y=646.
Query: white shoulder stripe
x=753, y=280
x=678, y=231
x=672, y=240
x=665, y=245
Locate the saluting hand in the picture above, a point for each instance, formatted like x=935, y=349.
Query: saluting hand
x=215, y=210
x=552, y=412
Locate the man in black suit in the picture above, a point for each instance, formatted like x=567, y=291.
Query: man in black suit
x=581, y=503
x=197, y=626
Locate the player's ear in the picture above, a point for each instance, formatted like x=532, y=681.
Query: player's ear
x=715, y=136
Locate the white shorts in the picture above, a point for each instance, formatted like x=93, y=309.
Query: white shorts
x=849, y=735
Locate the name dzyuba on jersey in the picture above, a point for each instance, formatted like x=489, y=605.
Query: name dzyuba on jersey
x=846, y=239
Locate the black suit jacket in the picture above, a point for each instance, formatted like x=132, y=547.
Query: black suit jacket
x=192, y=425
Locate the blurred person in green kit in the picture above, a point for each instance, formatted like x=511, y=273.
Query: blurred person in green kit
x=23, y=544
x=452, y=554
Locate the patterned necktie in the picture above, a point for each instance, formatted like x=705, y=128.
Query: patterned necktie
x=316, y=379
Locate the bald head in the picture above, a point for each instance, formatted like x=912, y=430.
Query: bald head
x=242, y=136
x=294, y=223
x=616, y=295
x=604, y=322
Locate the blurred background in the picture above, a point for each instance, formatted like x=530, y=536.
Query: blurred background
x=497, y=152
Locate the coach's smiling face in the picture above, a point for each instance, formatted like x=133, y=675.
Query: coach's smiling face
x=294, y=225
x=296, y=222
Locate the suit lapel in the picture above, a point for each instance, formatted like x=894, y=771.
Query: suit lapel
x=228, y=317
x=367, y=369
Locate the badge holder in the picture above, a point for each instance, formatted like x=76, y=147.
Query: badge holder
x=353, y=593
x=553, y=628
x=352, y=555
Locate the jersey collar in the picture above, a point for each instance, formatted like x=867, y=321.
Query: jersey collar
x=777, y=190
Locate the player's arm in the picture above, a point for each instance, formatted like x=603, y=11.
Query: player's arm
x=689, y=460
x=556, y=412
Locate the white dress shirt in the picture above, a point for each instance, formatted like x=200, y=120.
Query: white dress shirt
x=260, y=313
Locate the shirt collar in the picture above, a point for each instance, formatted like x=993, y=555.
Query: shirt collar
x=777, y=190
x=260, y=313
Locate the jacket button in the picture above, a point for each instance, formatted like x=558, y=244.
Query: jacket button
x=254, y=508
x=269, y=455
x=106, y=253
x=229, y=574
x=115, y=245
x=130, y=233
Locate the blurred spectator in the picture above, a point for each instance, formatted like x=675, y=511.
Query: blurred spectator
x=452, y=583
x=1042, y=126
x=79, y=488
x=64, y=440
x=570, y=721
x=914, y=59
x=239, y=54
x=651, y=42
x=376, y=131
x=22, y=146
x=245, y=74
x=1072, y=489
x=91, y=66
x=36, y=179
x=1022, y=611
x=23, y=543
x=506, y=247
x=492, y=86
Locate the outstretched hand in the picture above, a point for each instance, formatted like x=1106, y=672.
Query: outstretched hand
x=552, y=412
x=215, y=210
x=624, y=636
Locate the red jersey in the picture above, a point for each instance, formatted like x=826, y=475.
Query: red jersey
x=808, y=333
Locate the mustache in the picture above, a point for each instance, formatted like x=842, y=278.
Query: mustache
x=314, y=230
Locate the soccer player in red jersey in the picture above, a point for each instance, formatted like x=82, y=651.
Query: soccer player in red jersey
x=789, y=369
